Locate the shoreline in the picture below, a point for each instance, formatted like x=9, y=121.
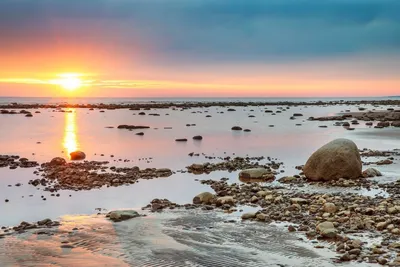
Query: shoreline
x=163, y=105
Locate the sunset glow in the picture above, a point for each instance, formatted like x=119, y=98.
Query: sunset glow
x=315, y=52
x=70, y=82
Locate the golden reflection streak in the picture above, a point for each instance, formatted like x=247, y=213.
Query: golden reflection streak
x=70, y=141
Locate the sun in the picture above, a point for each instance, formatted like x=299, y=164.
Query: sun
x=71, y=84
x=68, y=81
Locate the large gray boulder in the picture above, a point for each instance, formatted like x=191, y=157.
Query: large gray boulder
x=337, y=159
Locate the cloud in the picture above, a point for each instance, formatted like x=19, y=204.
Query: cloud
x=209, y=30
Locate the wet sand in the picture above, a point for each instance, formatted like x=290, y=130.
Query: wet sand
x=170, y=239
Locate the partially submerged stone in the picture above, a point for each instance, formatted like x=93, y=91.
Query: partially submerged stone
x=203, y=198
x=122, y=215
x=248, y=215
x=256, y=173
x=225, y=200
x=371, y=172
x=236, y=128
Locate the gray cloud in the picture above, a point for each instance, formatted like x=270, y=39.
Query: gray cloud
x=207, y=30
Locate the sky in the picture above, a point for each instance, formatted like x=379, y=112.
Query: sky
x=200, y=48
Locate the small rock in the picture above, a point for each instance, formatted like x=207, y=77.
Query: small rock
x=326, y=229
x=330, y=207
x=248, y=215
x=371, y=172
x=236, y=128
x=77, y=155
x=197, y=137
x=203, y=198
x=122, y=215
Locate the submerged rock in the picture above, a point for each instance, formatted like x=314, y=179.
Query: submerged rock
x=122, y=215
x=337, y=159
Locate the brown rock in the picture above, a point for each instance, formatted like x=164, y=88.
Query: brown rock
x=337, y=159
x=77, y=155
x=203, y=198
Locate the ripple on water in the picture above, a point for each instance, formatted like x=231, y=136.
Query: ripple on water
x=179, y=238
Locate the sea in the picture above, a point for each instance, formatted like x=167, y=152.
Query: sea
x=181, y=238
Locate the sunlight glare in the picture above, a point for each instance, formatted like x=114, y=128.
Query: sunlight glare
x=70, y=141
x=69, y=81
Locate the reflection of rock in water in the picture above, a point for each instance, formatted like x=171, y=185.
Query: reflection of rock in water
x=180, y=238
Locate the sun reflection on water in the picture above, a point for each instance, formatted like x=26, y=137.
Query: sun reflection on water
x=70, y=141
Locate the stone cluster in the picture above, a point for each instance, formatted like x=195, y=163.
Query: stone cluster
x=14, y=162
x=87, y=175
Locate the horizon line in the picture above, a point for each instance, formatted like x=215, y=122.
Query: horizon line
x=204, y=97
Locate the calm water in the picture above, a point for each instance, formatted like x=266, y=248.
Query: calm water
x=161, y=241
x=60, y=133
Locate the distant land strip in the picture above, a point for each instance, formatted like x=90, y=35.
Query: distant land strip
x=158, y=105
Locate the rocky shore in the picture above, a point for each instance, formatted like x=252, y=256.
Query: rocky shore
x=234, y=164
x=58, y=175
x=383, y=118
x=348, y=220
x=14, y=162
x=185, y=105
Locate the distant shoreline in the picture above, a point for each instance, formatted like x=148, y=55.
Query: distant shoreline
x=161, y=105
